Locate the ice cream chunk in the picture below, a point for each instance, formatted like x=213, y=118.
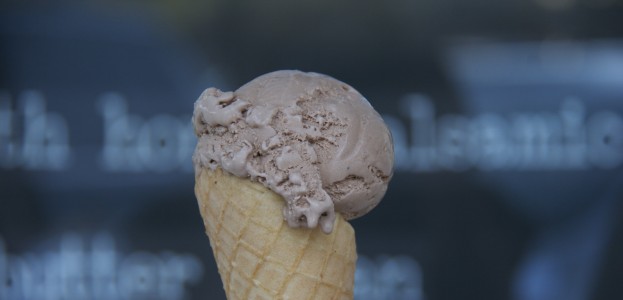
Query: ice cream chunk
x=308, y=137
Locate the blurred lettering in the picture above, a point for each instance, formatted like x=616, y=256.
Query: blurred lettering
x=568, y=139
x=132, y=144
x=605, y=133
x=31, y=137
x=101, y=272
x=388, y=277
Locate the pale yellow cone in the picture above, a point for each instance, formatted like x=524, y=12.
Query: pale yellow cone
x=259, y=256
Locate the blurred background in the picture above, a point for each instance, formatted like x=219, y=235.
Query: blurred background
x=507, y=119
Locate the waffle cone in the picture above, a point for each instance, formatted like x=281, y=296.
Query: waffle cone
x=259, y=256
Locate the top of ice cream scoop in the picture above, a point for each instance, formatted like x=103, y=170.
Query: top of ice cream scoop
x=308, y=137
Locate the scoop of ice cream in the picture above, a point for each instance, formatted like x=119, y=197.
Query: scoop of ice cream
x=306, y=136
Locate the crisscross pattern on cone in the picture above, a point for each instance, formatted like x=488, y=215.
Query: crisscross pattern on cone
x=259, y=256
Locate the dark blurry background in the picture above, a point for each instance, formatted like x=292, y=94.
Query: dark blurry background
x=507, y=119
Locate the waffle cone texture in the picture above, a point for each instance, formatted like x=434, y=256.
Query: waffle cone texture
x=259, y=256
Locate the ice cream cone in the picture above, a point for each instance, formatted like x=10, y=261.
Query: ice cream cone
x=259, y=256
